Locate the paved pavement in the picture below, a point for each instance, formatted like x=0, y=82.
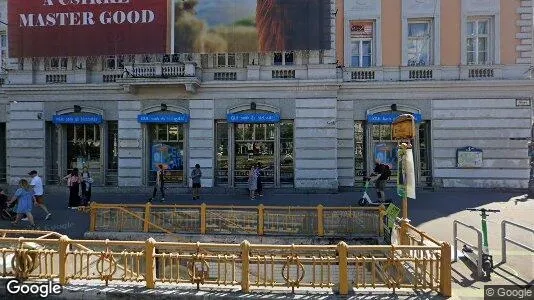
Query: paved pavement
x=432, y=212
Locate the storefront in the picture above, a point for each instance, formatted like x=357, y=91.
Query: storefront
x=165, y=139
x=253, y=137
x=373, y=142
x=76, y=140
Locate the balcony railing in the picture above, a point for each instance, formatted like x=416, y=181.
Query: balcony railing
x=161, y=70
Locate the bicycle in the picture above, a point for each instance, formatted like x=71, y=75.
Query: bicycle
x=487, y=258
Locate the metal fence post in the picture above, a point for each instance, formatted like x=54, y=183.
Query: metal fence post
x=261, y=219
x=203, y=218
x=150, y=263
x=245, y=266
x=445, y=280
x=503, y=240
x=454, y=240
x=62, y=253
x=320, y=220
x=343, y=253
x=92, y=210
x=147, y=217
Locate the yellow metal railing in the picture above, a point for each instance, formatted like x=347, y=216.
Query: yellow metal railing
x=261, y=220
x=334, y=267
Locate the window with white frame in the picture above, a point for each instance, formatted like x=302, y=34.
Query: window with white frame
x=114, y=62
x=478, y=41
x=419, y=43
x=226, y=60
x=283, y=58
x=56, y=63
x=361, y=44
x=3, y=49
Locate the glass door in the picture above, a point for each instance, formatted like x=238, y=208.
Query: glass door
x=254, y=143
x=167, y=143
x=84, y=149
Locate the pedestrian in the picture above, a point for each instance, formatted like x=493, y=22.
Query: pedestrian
x=252, y=182
x=259, y=184
x=38, y=192
x=87, y=184
x=160, y=183
x=383, y=173
x=196, y=174
x=73, y=183
x=23, y=196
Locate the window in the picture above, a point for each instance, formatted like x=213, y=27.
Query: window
x=361, y=44
x=478, y=41
x=3, y=48
x=56, y=63
x=283, y=58
x=226, y=60
x=114, y=62
x=419, y=43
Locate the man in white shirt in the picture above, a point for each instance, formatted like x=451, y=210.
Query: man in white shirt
x=37, y=185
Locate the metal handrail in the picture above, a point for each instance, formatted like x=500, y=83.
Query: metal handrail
x=479, y=244
x=505, y=239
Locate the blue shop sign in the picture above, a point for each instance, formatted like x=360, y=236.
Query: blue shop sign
x=389, y=118
x=163, y=119
x=81, y=119
x=254, y=118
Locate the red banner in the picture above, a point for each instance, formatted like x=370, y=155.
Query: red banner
x=48, y=28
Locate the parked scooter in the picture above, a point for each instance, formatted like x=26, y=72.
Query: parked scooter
x=366, y=199
x=472, y=254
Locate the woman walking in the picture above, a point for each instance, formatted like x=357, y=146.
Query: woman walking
x=73, y=182
x=252, y=181
x=24, y=197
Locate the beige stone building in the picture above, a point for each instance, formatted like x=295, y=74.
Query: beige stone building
x=321, y=118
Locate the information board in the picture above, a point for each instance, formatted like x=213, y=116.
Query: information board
x=469, y=157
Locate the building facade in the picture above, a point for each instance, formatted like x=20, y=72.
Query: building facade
x=313, y=119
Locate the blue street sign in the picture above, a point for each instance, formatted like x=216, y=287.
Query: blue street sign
x=82, y=119
x=253, y=118
x=163, y=119
x=389, y=118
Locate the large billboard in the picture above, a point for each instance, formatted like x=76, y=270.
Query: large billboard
x=211, y=26
x=45, y=28
x=40, y=28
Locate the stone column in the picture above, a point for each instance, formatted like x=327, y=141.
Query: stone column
x=130, y=144
x=202, y=140
x=345, y=142
x=316, y=143
x=25, y=141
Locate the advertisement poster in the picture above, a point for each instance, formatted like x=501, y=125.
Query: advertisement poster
x=48, y=28
x=386, y=153
x=52, y=28
x=208, y=26
x=170, y=157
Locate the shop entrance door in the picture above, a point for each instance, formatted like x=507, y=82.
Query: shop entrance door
x=84, y=149
x=167, y=144
x=255, y=143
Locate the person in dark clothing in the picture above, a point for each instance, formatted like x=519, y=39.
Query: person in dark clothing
x=196, y=175
x=160, y=183
x=259, y=173
x=380, y=183
x=73, y=182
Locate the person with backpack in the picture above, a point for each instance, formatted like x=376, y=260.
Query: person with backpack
x=385, y=172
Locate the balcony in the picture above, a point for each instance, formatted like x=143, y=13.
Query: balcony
x=160, y=73
x=161, y=70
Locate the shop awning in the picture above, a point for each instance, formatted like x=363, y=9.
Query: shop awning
x=253, y=118
x=389, y=118
x=163, y=119
x=77, y=119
